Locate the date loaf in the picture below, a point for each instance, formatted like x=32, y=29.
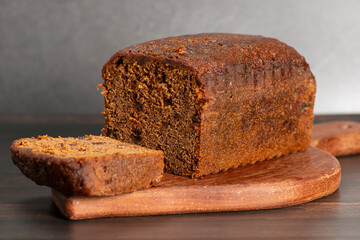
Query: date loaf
x=210, y=101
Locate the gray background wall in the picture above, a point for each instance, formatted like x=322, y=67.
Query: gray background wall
x=52, y=52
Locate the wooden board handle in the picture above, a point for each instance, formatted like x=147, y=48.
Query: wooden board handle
x=339, y=138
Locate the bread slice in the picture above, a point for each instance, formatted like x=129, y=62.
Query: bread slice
x=90, y=165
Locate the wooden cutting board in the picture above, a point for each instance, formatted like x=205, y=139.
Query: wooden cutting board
x=340, y=138
x=289, y=180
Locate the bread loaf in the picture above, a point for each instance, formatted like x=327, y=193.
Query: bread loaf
x=90, y=165
x=211, y=102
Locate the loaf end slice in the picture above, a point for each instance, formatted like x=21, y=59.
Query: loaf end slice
x=89, y=166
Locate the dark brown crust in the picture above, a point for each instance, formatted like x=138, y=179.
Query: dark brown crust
x=210, y=54
x=255, y=88
x=87, y=175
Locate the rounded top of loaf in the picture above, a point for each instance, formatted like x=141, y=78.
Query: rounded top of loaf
x=211, y=53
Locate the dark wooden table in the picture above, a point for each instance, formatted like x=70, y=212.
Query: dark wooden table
x=27, y=211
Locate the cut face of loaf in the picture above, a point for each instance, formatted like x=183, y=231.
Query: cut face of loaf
x=90, y=165
x=211, y=102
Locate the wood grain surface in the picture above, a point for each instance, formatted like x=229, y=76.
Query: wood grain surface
x=340, y=138
x=27, y=210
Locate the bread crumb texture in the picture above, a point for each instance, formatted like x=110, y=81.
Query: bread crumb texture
x=86, y=146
